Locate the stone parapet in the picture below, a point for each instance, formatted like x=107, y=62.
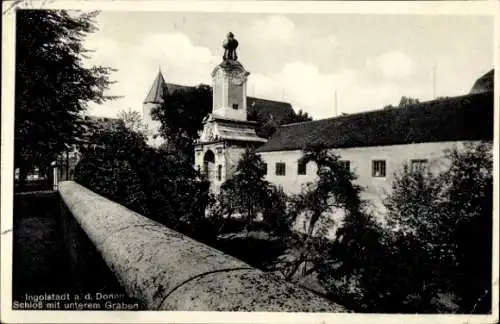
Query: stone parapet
x=166, y=270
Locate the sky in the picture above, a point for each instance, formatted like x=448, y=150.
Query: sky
x=366, y=61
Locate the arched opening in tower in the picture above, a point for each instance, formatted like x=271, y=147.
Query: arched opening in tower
x=209, y=164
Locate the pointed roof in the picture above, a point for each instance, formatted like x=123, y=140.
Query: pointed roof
x=155, y=94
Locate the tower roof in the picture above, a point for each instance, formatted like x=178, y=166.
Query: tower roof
x=155, y=94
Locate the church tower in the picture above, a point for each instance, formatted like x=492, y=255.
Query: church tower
x=226, y=131
x=153, y=99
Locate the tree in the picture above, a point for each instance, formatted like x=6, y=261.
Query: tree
x=275, y=212
x=468, y=187
x=300, y=117
x=157, y=185
x=449, y=217
x=133, y=121
x=246, y=193
x=267, y=125
x=437, y=241
x=333, y=190
x=181, y=116
x=53, y=84
x=407, y=101
x=109, y=168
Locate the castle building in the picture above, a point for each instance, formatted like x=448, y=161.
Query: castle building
x=376, y=144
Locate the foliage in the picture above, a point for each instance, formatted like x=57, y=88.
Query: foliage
x=266, y=129
x=333, y=189
x=468, y=187
x=299, y=117
x=408, y=101
x=276, y=217
x=351, y=268
x=267, y=125
x=445, y=215
x=182, y=115
x=146, y=180
x=437, y=241
x=246, y=192
x=53, y=84
x=133, y=121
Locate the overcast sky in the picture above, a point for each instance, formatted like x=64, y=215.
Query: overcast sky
x=370, y=60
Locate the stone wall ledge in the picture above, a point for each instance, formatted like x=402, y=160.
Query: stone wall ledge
x=166, y=270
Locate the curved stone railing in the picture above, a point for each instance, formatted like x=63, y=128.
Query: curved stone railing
x=166, y=270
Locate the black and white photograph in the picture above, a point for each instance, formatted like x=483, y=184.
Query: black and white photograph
x=249, y=162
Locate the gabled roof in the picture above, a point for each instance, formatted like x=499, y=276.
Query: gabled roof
x=155, y=94
x=468, y=117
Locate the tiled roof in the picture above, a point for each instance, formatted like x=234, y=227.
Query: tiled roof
x=155, y=94
x=171, y=87
x=484, y=83
x=468, y=117
x=278, y=109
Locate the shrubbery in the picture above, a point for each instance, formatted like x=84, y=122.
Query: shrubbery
x=249, y=196
x=156, y=184
x=436, y=240
x=437, y=243
x=433, y=253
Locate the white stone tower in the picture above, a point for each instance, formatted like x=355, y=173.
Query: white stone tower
x=226, y=131
x=154, y=99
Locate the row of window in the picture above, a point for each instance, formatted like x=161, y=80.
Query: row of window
x=379, y=167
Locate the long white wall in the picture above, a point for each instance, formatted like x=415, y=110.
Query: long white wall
x=360, y=159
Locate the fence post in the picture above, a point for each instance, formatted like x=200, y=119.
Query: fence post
x=55, y=171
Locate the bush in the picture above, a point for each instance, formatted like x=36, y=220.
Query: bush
x=247, y=194
x=276, y=218
x=437, y=242
x=148, y=181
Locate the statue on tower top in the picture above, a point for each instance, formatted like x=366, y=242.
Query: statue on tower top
x=230, y=44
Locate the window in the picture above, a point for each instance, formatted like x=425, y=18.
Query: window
x=280, y=168
x=219, y=172
x=419, y=165
x=346, y=165
x=235, y=106
x=265, y=168
x=378, y=169
x=301, y=168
